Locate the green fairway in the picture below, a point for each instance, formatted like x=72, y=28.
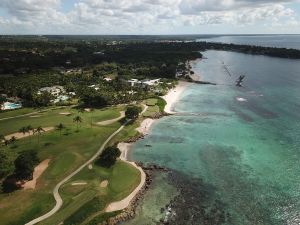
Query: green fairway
x=56, y=116
x=151, y=101
x=67, y=150
x=83, y=202
x=17, y=112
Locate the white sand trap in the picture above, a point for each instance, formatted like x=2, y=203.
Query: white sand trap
x=107, y=122
x=20, y=135
x=79, y=183
x=104, y=184
x=87, y=109
x=38, y=171
x=65, y=113
x=35, y=116
x=90, y=166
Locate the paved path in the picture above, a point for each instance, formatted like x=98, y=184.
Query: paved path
x=144, y=110
x=108, y=122
x=56, y=194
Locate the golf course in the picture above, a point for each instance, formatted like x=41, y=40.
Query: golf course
x=69, y=137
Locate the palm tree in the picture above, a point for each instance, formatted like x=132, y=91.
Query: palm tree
x=6, y=142
x=12, y=140
x=77, y=120
x=60, y=127
x=91, y=111
x=39, y=131
x=23, y=130
x=2, y=138
x=29, y=130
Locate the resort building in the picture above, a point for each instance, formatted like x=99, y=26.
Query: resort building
x=96, y=87
x=107, y=79
x=54, y=90
x=57, y=91
x=133, y=82
x=144, y=83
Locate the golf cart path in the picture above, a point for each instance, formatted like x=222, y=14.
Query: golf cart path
x=107, y=122
x=56, y=194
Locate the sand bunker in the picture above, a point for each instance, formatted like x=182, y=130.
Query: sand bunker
x=19, y=135
x=79, y=183
x=90, y=166
x=35, y=116
x=65, y=113
x=38, y=171
x=104, y=184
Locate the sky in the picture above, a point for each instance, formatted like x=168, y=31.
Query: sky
x=149, y=17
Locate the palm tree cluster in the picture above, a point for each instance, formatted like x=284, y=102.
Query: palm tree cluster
x=77, y=120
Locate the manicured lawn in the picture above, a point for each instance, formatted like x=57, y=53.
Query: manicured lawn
x=151, y=101
x=67, y=152
x=151, y=111
x=53, y=117
x=17, y=112
x=80, y=200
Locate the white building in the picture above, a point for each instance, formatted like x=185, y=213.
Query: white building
x=154, y=82
x=107, y=79
x=133, y=82
x=54, y=90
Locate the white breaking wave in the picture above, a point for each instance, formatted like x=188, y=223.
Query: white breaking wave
x=241, y=99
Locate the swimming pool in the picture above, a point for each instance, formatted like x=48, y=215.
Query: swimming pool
x=11, y=105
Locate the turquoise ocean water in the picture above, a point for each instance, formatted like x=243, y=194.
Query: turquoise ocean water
x=234, y=153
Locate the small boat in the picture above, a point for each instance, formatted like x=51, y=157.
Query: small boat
x=239, y=81
x=148, y=145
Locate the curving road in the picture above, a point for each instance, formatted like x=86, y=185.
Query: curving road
x=56, y=194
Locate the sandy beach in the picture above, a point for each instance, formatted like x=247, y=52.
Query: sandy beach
x=144, y=128
x=173, y=95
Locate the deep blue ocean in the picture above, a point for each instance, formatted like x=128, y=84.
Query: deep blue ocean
x=279, y=41
x=233, y=153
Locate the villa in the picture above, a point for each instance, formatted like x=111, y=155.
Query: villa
x=107, y=79
x=54, y=90
x=96, y=87
x=144, y=83
x=57, y=91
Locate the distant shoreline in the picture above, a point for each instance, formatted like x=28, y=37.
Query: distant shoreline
x=171, y=98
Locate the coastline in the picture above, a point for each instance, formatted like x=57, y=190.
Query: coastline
x=171, y=98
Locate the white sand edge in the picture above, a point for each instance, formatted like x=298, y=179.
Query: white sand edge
x=124, y=203
x=173, y=95
x=146, y=124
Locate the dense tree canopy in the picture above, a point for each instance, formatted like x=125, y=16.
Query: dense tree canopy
x=132, y=112
x=108, y=157
x=6, y=163
x=24, y=165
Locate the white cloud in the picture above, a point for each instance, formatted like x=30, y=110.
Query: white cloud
x=141, y=16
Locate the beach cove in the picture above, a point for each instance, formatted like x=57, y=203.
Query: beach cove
x=227, y=155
